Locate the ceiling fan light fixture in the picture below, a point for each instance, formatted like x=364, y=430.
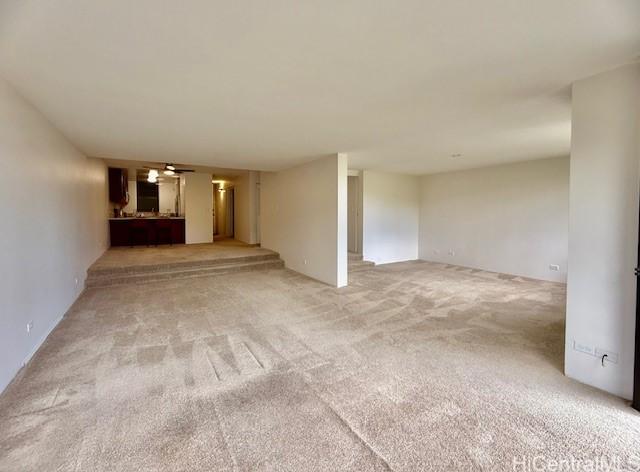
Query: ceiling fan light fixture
x=170, y=167
x=169, y=171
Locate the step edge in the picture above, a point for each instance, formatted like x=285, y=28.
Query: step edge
x=151, y=268
x=162, y=276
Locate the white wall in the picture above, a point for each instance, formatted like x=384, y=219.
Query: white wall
x=167, y=191
x=132, y=206
x=390, y=217
x=54, y=226
x=182, y=184
x=198, y=200
x=603, y=231
x=510, y=218
x=245, y=216
x=304, y=217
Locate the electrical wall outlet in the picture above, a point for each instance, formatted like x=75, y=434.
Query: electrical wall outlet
x=611, y=356
x=452, y=252
x=305, y=262
x=597, y=352
x=29, y=326
x=76, y=280
x=554, y=267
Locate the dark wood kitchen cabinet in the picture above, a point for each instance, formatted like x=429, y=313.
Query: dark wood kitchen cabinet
x=119, y=232
x=118, y=186
x=146, y=231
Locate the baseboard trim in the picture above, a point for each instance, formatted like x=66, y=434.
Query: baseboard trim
x=39, y=344
x=43, y=338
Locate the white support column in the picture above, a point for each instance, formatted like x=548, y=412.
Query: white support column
x=342, y=223
x=303, y=216
x=603, y=228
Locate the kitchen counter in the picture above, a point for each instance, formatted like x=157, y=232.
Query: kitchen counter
x=148, y=218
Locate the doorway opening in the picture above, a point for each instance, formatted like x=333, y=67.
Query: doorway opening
x=223, y=211
x=354, y=235
x=355, y=223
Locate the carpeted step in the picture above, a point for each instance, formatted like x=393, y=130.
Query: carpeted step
x=355, y=266
x=355, y=257
x=168, y=266
x=183, y=272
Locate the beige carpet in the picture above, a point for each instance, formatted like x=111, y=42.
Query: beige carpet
x=415, y=366
x=117, y=257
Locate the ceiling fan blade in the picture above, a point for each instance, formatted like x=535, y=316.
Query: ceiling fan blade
x=180, y=171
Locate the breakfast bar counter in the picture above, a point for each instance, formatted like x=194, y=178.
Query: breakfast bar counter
x=146, y=231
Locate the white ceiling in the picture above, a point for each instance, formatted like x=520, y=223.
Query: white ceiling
x=398, y=85
x=216, y=172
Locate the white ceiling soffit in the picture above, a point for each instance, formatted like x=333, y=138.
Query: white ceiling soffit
x=135, y=164
x=399, y=86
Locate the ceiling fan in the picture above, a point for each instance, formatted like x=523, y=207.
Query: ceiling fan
x=169, y=169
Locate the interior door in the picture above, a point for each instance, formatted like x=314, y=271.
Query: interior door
x=352, y=214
